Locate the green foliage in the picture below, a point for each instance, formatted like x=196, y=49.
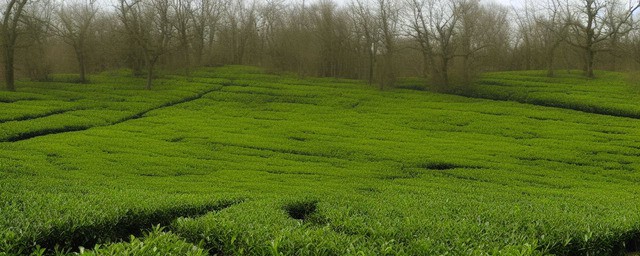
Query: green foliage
x=610, y=93
x=155, y=242
x=236, y=162
x=71, y=107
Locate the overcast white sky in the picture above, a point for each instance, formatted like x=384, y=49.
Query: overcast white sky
x=504, y=2
x=344, y=2
x=509, y=2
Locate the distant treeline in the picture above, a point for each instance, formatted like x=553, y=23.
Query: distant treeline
x=446, y=41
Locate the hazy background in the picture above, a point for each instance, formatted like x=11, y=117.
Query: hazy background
x=378, y=41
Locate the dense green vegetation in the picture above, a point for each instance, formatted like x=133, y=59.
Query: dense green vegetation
x=611, y=94
x=235, y=161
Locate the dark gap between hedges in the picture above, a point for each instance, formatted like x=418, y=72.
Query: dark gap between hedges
x=36, y=116
x=591, y=109
x=627, y=244
x=44, y=132
x=632, y=245
x=131, y=224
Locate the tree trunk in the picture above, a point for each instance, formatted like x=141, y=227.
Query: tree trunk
x=187, y=59
x=466, y=72
x=427, y=65
x=391, y=71
x=589, y=64
x=81, y=66
x=83, y=76
x=550, y=59
x=527, y=47
x=9, y=35
x=199, y=51
x=372, y=61
x=445, y=73
x=614, y=55
x=150, y=64
x=149, y=77
x=187, y=64
x=8, y=68
x=137, y=63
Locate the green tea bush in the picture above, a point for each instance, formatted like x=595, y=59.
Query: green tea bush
x=237, y=161
x=609, y=94
x=155, y=242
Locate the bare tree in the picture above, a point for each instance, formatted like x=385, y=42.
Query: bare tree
x=613, y=47
x=553, y=31
x=366, y=22
x=206, y=21
x=491, y=37
x=75, y=27
x=448, y=41
x=36, y=38
x=389, y=17
x=328, y=25
x=526, y=29
x=592, y=23
x=469, y=13
x=183, y=11
x=433, y=25
x=271, y=24
x=240, y=30
x=11, y=16
x=419, y=29
x=632, y=43
x=299, y=28
x=107, y=47
x=148, y=24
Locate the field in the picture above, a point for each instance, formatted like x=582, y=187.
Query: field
x=611, y=94
x=235, y=161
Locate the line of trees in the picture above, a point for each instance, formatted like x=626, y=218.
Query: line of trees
x=447, y=41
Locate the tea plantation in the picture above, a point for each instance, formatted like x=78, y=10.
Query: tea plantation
x=236, y=161
x=610, y=94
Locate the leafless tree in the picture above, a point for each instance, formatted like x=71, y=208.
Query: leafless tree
x=297, y=39
x=419, y=29
x=469, y=13
x=527, y=31
x=552, y=31
x=592, y=23
x=239, y=34
x=74, y=26
x=35, y=39
x=490, y=34
x=205, y=20
x=433, y=24
x=389, y=18
x=613, y=44
x=366, y=23
x=11, y=16
x=107, y=47
x=330, y=32
x=448, y=41
x=183, y=11
x=272, y=25
x=149, y=26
